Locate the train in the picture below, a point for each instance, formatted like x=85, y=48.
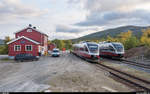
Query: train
x=111, y=49
x=87, y=50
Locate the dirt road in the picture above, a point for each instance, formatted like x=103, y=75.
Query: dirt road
x=65, y=73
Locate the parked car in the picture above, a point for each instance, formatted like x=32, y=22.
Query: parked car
x=23, y=57
x=55, y=52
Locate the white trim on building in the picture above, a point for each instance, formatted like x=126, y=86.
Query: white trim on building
x=24, y=38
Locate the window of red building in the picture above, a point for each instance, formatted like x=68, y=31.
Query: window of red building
x=17, y=47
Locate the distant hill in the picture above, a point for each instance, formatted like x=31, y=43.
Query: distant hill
x=2, y=42
x=113, y=33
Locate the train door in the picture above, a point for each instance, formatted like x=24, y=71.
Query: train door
x=23, y=49
x=86, y=49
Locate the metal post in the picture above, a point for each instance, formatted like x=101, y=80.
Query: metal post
x=142, y=57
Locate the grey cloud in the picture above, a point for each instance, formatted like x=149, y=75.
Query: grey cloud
x=100, y=18
x=73, y=29
x=15, y=10
x=106, y=12
x=112, y=17
x=63, y=28
x=107, y=5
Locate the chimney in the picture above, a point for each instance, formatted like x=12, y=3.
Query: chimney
x=30, y=25
x=34, y=27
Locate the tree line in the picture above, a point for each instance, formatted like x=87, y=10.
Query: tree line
x=67, y=44
x=126, y=38
x=4, y=48
x=129, y=40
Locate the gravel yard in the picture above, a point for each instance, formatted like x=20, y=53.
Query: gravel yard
x=137, y=71
x=56, y=74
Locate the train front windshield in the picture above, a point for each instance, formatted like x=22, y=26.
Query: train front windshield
x=119, y=47
x=93, y=48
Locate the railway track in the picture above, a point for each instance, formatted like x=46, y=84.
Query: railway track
x=147, y=66
x=135, y=63
x=138, y=84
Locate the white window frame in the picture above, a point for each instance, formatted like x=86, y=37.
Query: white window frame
x=17, y=49
x=29, y=30
x=26, y=48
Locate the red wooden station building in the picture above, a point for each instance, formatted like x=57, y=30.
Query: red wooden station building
x=28, y=40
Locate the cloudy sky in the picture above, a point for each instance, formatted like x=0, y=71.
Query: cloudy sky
x=67, y=19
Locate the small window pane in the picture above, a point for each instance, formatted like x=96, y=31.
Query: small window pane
x=28, y=48
x=17, y=48
x=29, y=30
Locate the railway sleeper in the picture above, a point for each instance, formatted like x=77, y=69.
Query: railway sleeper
x=139, y=87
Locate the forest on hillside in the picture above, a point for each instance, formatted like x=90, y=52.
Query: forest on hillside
x=128, y=39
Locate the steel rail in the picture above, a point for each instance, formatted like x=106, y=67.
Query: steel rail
x=147, y=66
x=136, y=81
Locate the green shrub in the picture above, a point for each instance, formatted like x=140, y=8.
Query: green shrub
x=5, y=59
x=131, y=42
x=4, y=49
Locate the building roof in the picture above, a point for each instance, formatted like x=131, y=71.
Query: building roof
x=52, y=44
x=24, y=38
x=32, y=29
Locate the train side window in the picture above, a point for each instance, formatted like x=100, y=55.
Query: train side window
x=111, y=48
x=102, y=48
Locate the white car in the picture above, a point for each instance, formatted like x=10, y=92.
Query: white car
x=55, y=52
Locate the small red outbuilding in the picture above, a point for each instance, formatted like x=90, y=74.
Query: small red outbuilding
x=51, y=46
x=23, y=45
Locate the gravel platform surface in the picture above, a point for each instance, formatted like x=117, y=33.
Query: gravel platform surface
x=66, y=73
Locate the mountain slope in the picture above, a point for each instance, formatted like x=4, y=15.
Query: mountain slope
x=113, y=32
x=2, y=42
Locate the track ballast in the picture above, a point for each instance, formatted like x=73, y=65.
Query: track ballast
x=138, y=83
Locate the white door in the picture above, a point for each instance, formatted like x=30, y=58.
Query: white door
x=43, y=50
x=39, y=49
